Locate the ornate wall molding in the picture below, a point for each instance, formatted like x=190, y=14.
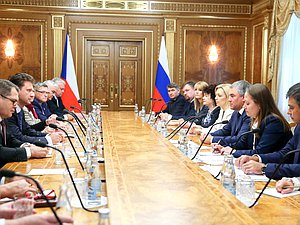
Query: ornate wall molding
x=184, y=27
x=131, y=5
x=43, y=39
x=44, y=3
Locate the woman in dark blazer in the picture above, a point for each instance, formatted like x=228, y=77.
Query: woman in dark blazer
x=213, y=110
x=274, y=130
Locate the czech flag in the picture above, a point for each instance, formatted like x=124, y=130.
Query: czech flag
x=71, y=95
x=160, y=93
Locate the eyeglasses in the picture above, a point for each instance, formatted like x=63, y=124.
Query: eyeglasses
x=13, y=101
x=44, y=92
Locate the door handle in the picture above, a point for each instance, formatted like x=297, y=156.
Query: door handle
x=117, y=92
x=111, y=90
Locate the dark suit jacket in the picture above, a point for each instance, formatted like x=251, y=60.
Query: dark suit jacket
x=228, y=135
x=189, y=110
x=175, y=106
x=11, y=151
x=41, y=110
x=24, y=133
x=291, y=168
x=272, y=137
x=213, y=117
x=54, y=109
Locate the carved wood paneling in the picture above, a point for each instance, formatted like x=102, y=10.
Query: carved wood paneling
x=100, y=79
x=27, y=42
x=229, y=66
x=128, y=74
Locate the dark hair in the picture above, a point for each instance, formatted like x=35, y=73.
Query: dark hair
x=190, y=83
x=210, y=89
x=263, y=97
x=20, y=78
x=173, y=85
x=294, y=92
x=6, y=87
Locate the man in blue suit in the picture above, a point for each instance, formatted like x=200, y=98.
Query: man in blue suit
x=266, y=163
x=39, y=102
x=238, y=124
x=17, y=124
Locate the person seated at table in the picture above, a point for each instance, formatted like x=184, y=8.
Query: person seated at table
x=12, y=149
x=222, y=95
x=213, y=111
x=288, y=185
x=200, y=108
x=189, y=108
x=40, y=102
x=274, y=129
x=266, y=163
x=239, y=122
x=175, y=106
x=16, y=124
x=7, y=213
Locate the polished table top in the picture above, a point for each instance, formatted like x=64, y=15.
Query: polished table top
x=149, y=181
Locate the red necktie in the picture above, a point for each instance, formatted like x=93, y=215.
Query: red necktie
x=31, y=109
x=3, y=128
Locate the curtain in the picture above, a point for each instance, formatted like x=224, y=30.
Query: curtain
x=288, y=68
x=282, y=12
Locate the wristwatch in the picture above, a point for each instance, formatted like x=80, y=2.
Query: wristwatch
x=264, y=168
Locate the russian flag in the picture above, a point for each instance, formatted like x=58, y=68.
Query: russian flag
x=162, y=79
x=71, y=95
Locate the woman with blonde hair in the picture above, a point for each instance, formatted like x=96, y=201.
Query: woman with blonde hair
x=199, y=107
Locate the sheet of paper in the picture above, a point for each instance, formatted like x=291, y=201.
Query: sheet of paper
x=254, y=177
x=272, y=192
x=210, y=159
x=36, y=172
x=213, y=170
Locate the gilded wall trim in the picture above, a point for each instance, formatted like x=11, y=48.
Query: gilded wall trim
x=210, y=8
x=44, y=40
x=131, y=5
x=44, y=3
x=253, y=49
x=182, y=38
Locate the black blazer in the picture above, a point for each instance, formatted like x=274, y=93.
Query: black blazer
x=11, y=152
x=175, y=106
x=24, y=133
x=272, y=137
x=54, y=109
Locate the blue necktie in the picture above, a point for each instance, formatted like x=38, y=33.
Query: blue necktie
x=20, y=120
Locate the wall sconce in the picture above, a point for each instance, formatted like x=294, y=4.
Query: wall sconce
x=9, y=49
x=213, y=54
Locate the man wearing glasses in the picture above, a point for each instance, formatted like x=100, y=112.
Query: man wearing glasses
x=12, y=149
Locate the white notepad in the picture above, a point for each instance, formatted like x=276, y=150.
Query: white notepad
x=272, y=192
x=36, y=172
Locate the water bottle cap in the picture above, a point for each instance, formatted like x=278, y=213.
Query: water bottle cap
x=104, y=210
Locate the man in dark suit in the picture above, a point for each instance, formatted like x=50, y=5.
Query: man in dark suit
x=175, y=107
x=266, y=163
x=17, y=124
x=12, y=149
x=56, y=105
x=238, y=124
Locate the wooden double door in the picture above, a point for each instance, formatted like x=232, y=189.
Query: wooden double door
x=113, y=72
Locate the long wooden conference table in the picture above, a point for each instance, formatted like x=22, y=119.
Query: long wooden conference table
x=150, y=182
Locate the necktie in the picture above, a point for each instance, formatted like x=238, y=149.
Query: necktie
x=3, y=129
x=20, y=120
